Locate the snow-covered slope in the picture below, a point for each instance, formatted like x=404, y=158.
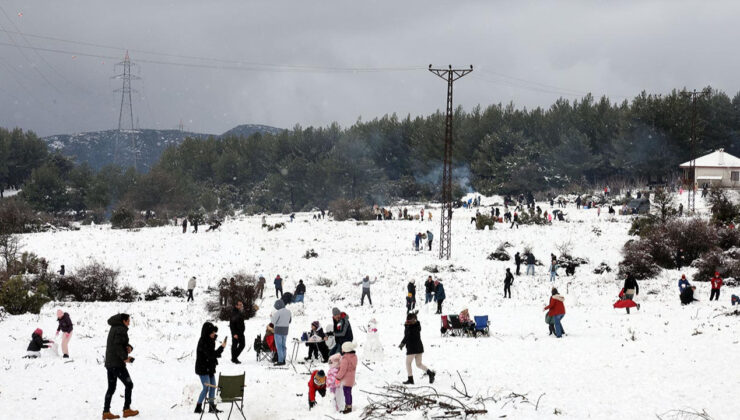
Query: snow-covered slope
x=609, y=365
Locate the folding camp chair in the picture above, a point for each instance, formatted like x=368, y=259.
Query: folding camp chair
x=482, y=324
x=230, y=390
x=445, y=325
x=456, y=326
x=263, y=350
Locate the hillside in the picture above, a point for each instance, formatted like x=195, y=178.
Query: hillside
x=98, y=148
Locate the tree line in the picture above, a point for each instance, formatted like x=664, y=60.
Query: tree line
x=500, y=149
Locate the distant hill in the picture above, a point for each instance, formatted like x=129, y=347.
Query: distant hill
x=98, y=148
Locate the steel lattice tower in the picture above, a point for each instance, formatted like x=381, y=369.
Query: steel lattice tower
x=445, y=234
x=691, y=196
x=126, y=113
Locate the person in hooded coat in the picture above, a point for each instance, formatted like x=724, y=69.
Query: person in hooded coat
x=414, y=348
x=281, y=319
x=65, y=326
x=117, y=351
x=206, y=355
x=508, y=281
x=439, y=295
x=37, y=343
x=346, y=374
x=556, y=310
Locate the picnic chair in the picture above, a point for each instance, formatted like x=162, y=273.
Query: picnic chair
x=263, y=350
x=445, y=325
x=482, y=325
x=230, y=390
x=456, y=327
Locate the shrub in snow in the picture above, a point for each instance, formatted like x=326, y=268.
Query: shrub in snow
x=154, y=292
x=122, y=218
x=602, y=268
x=29, y=263
x=499, y=254
x=723, y=210
x=242, y=288
x=177, y=292
x=16, y=216
x=91, y=283
x=310, y=254
x=128, y=294
x=343, y=209
x=638, y=261
x=18, y=296
x=727, y=263
x=324, y=282
x=482, y=220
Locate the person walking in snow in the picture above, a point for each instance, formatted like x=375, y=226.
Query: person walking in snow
x=260, y=286
x=223, y=292
x=530, y=263
x=428, y=290
x=333, y=383
x=65, y=326
x=439, y=295
x=316, y=343
x=300, y=291
x=185, y=225
x=278, y=286
x=682, y=284
x=631, y=289
x=61, y=270
x=206, y=355
x=37, y=343
x=422, y=214
x=410, y=295
x=553, y=269
x=680, y=259
x=508, y=281
x=515, y=221
x=191, y=287
x=236, y=325
x=317, y=383
x=342, y=330
x=518, y=262
x=430, y=238
x=366, y=289
x=716, y=285
x=556, y=310
x=117, y=355
x=281, y=319
x=346, y=374
x=414, y=348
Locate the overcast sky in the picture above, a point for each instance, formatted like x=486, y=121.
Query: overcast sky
x=530, y=53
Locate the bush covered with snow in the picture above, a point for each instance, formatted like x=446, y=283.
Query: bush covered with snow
x=91, y=283
x=19, y=296
x=343, y=209
x=128, y=294
x=154, y=292
x=122, y=218
x=727, y=263
x=241, y=289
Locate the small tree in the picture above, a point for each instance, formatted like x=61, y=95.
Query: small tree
x=9, y=248
x=663, y=204
x=723, y=211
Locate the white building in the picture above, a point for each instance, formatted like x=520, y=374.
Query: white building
x=717, y=168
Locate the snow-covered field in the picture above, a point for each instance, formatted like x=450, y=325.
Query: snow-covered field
x=610, y=365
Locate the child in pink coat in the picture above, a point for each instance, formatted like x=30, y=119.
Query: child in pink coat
x=346, y=374
x=332, y=383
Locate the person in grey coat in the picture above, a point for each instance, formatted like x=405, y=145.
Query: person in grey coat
x=281, y=320
x=430, y=238
x=191, y=287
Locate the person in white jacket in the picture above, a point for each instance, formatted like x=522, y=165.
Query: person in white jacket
x=191, y=287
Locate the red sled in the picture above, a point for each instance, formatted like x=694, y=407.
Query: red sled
x=625, y=304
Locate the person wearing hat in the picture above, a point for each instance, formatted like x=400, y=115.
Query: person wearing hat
x=206, y=356
x=317, y=383
x=439, y=295
x=342, y=330
x=414, y=348
x=65, y=326
x=317, y=343
x=37, y=343
x=411, y=295
x=716, y=285
x=281, y=319
x=682, y=284
x=191, y=287
x=346, y=374
x=117, y=355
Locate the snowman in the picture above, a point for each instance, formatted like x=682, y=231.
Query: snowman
x=373, y=350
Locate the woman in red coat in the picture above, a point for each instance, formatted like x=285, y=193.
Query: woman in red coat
x=556, y=311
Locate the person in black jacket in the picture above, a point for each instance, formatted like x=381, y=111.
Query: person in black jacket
x=507, y=282
x=117, y=351
x=205, y=365
x=518, y=262
x=342, y=330
x=680, y=259
x=414, y=348
x=236, y=325
x=631, y=288
x=65, y=326
x=37, y=343
x=411, y=295
x=300, y=290
x=317, y=343
x=687, y=295
x=429, y=289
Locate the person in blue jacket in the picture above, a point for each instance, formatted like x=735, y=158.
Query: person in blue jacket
x=278, y=286
x=439, y=295
x=683, y=283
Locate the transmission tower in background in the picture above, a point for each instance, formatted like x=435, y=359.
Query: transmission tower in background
x=126, y=130
x=445, y=235
x=691, y=196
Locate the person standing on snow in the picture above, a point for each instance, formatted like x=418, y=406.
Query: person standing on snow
x=631, y=288
x=556, y=310
x=300, y=291
x=236, y=325
x=117, y=351
x=439, y=295
x=342, y=330
x=411, y=295
x=205, y=365
x=366, y=289
x=428, y=290
x=346, y=374
x=185, y=225
x=716, y=285
x=191, y=287
x=281, y=319
x=278, y=286
x=430, y=237
x=65, y=326
x=414, y=348
x=316, y=343
x=680, y=259
x=553, y=269
x=530, y=263
x=508, y=281
x=515, y=221
x=518, y=262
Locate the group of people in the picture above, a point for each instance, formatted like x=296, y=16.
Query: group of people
x=419, y=239
x=686, y=290
x=38, y=342
x=434, y=290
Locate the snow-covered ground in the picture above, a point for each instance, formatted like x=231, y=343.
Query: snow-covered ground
x=610, y=365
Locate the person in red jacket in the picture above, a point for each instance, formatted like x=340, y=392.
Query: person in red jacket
x=716, y=285
x=317, y=383
x=556, y=309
